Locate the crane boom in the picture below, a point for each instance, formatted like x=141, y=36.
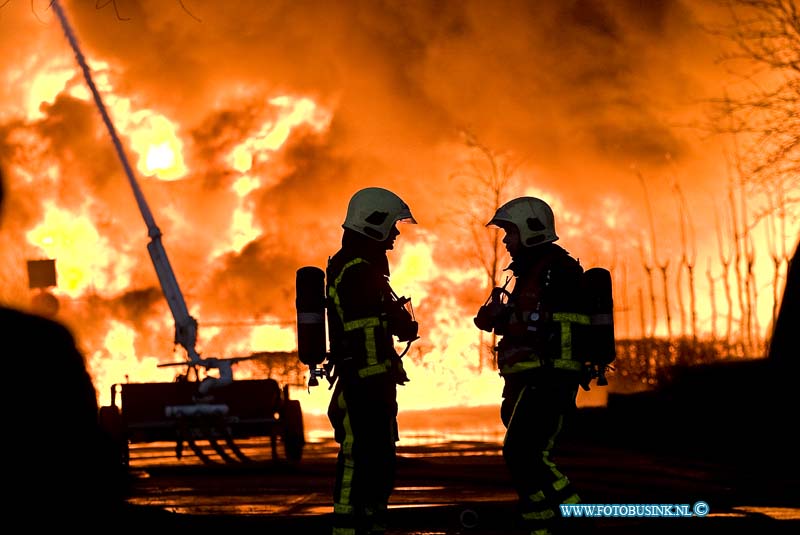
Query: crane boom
x=185, y=324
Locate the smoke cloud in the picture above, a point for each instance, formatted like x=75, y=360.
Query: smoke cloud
x=584, y=96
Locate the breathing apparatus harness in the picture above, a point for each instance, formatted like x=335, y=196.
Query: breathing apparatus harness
x=595, y=343
x=311, y=326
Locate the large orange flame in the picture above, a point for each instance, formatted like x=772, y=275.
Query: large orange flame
x=132, y=332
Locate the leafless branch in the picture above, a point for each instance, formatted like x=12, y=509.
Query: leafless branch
x=100, y=4
x=188, y=12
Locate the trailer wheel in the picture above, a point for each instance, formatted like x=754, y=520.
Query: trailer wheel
x=111, y=423
x=293, y=431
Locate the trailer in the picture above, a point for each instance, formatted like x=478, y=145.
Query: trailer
x=208, y=426
x=195, y=407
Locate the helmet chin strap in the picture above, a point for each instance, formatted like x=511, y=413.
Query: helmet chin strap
x=388, y=243
x=408, y=346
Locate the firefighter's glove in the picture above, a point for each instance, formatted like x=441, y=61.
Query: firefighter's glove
x=484, y=320
x=494, y=314
x=401, y=322
x=398, y=371
x=406, y=331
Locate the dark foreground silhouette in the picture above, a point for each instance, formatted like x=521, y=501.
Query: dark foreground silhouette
x=59, y=466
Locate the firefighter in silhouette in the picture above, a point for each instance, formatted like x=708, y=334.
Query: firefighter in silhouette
x=539, y=323
x=61, y=465
x=364, y=317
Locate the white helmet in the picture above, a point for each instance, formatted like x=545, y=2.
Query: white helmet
x=533, y=218
x=373, y=211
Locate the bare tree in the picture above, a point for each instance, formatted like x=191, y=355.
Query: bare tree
x=725, y=260
x=642, y=321
x=762, y=108
x=760, y=114
x=663, y=266
x=776, y=242
x=485, y=182
x=648, y=269
x=742, y=245
x=626, y=308
x=713, y=300
x=688, y=257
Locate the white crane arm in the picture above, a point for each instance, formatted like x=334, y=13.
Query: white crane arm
x=185, y=324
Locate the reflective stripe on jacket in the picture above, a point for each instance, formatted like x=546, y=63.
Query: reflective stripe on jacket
x=360, y=342
x=547, y=319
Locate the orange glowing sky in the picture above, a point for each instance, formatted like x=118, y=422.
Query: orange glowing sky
x=250, y=124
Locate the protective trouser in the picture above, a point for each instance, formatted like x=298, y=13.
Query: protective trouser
x=364, y=419
x=533, y=416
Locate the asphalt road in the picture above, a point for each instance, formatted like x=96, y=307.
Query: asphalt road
x=462, y=487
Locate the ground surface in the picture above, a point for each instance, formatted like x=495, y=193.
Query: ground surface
x=462, y=487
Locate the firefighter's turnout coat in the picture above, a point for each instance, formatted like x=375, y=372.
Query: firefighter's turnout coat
x=539, y=357
x=363, y=408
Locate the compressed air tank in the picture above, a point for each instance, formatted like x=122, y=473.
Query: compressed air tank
x=310, y=303
x=600, y=307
